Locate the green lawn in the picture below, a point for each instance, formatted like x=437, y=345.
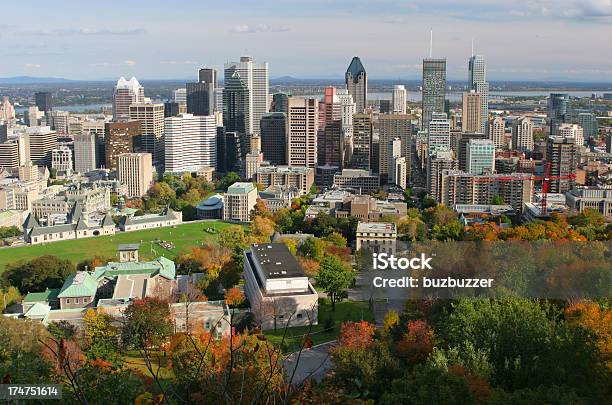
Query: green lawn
x=183, y=236
x=345, y=311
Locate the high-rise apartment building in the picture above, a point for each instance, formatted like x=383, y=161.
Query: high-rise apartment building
x=274, y=137
x=44, y=101
x=151, y=117
x=303, y=124
x=572, y=131
x=256, y=77
x=127, y=92
x=119, y=138
x=356, y=80
x=496, y=131
x=557, y=110
x=363, y=130
x=480, y=156
x=392, y=127
x=470, y=121
x=42, y=141
x=434, y=89
x=135, y=170
x=438, y=162
x=561, y=156
x=58, y=121
x=190, y=143
x=397, y=164
x=399, y=99
x=438, y=135
x=180, y=96
x=85, y=152
x=522, y=134
x=477, y=78
x=462, y=147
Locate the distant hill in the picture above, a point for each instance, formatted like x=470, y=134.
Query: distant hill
x=33, y=80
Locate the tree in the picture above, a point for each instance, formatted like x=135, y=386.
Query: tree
x=416, y=343
x=497, y=200
x=262, y=229
x=37, y=274
x=336, y=239
x=228, y=180
x=313, y=248
x=147, y=323
x=9, y=232
x=101, y=334
x=428, y=385
x=234, y=297
x=333, y=277
x=390, y=323
x=356, y=335
x=211, y=258
x=261, y=210
x=232, y=236
x=591, y=316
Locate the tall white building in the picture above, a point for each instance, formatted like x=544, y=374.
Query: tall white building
x=151, y=117
x=438, y=137
x=180, y=96
x=399, y=99
x=85, y=152
x=303, y=123
x=256, y=76
x=190, y=143
x=572, y=131
x=496, y=130
x=126, y=92
x=477, y=79
x=397, y=164
x=522, y=134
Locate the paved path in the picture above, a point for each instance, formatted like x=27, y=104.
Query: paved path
x=313, y=363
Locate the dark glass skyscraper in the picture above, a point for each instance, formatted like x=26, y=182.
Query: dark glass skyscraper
x=434, y=88
x=280, y=102
x=557, y=110
x=228, y=151
x=200, y=98
x=44, y=101
x=274, y=137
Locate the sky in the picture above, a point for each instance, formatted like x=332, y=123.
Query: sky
x=163, y=39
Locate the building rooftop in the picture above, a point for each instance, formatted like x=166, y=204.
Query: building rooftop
x=276, y=261
x=378, y=227
x=80, y=284
x=129, y=246
x=47, y=295
x=214, y=202
x=287, y=169
x=240, y=188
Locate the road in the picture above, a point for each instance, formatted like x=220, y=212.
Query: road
x=313, y=363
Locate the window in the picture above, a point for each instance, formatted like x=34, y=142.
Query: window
x=299, y=316
x=67, y=300
x=207, y=325
x=76, y=300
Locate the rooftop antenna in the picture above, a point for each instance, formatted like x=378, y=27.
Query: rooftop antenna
x=431, y=43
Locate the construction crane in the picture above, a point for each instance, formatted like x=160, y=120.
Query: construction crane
x=546, y=179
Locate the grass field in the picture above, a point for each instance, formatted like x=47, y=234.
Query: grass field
x=183, y=236
x=345, y=311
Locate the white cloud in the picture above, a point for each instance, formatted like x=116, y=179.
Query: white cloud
x=254, y=29
x=32, y=65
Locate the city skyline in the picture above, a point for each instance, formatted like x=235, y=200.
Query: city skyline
x=532, y=41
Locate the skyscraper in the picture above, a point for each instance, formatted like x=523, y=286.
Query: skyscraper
x=357, y=84
x=151, y=117
x=274, y=137
x=522, y=134
x=119, y=137
x=477, y=78
x=393, y=127
x=135, y=170
x=557, y=110
x=256, y=78
x=496, y=130
x=190, y=143
x=572, y=131
x=280, y=102
x=561, y=156
x=472, y=108
x=7, y=112
x=303, y=126
x=363, y=130
x=330, y=143
x=228, y=151
x=44, y=101
x=200, y=98
x=434, y=89
x=438, y=137
x=208, y=75
x=399, y=99
x=42, y=141
x=126, y=93
x=85, y=152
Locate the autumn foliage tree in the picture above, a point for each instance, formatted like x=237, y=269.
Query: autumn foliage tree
x=417, y=342
x=356, y=335
x=598, y=320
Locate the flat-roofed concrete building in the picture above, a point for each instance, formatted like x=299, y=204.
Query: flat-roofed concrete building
x=300, y=177
x=359, y=180
x=379, y=237
x=596, y=198
x=239, y=201
x=85, y=152
x=151, y=117
x=42, y=141
x=277, y=288
x=303, y=122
